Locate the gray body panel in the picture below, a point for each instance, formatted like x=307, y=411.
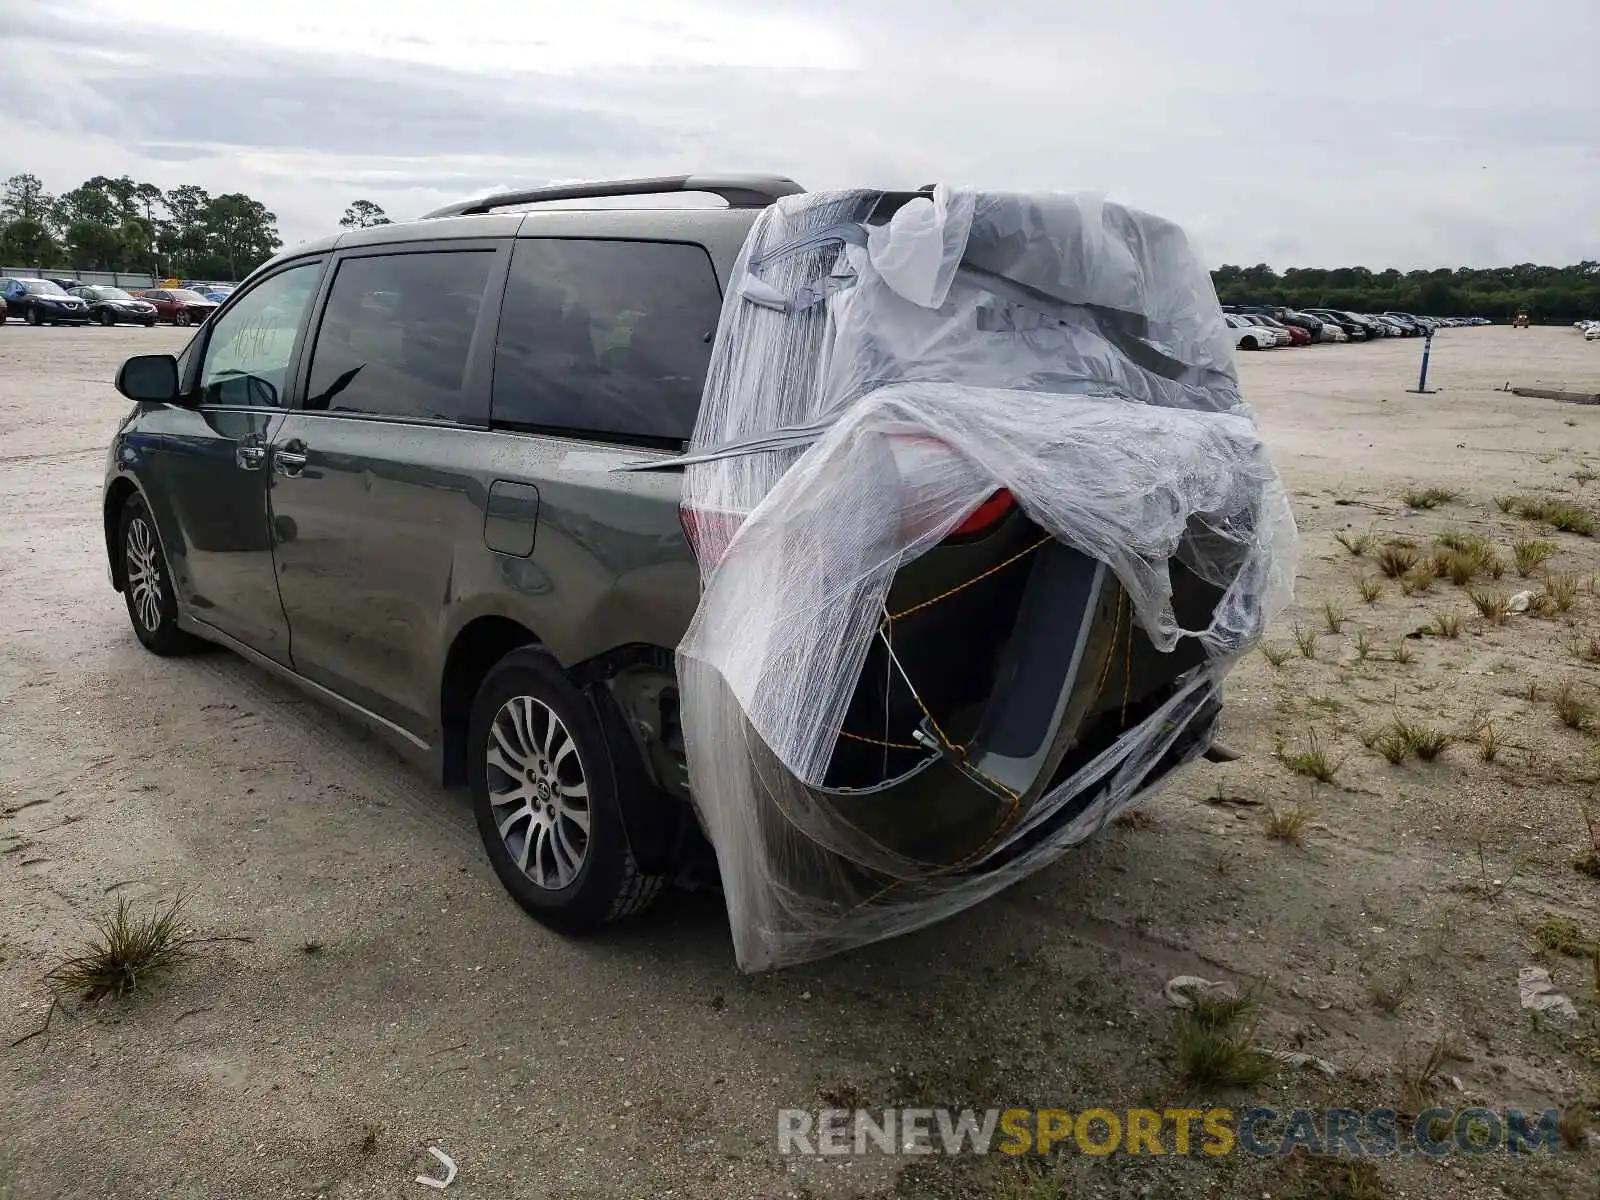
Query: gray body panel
x=356, y=573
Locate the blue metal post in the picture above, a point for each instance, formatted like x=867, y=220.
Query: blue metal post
x=1427, y=349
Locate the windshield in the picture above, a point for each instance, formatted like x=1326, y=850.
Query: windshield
x=42, y=287
x=186, y=294
x=109, y=293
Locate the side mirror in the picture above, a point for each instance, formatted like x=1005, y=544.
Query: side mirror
x=149, y=378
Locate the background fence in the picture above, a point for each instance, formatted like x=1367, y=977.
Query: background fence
x=121, y=279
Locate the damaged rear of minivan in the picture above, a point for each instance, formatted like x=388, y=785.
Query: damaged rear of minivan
x=982, y=523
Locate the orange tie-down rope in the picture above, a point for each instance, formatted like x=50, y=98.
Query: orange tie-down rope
x=1009, y=817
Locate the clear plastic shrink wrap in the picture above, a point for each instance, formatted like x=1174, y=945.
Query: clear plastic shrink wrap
x=889, y=717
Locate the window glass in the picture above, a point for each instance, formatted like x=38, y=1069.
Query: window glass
x=397, y=332
x=608, y=338
x=247, y=355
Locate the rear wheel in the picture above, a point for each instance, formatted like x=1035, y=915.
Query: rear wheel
x=544, y=792
x=147, y=583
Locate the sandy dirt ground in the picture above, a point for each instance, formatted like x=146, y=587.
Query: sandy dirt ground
x=372, y=992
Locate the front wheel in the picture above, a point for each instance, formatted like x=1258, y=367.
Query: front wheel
x=544, y=792
x=31, y=316
x=107, y=319
x=147, y=583
x=182, y=318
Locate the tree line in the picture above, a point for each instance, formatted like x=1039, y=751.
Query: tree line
x=1544, y=293
x=120, y=225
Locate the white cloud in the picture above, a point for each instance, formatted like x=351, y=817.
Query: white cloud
x=1454, y=132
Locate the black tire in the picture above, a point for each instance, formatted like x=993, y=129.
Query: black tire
x=181, y=317
x=154, y=617
x=31, y=316
x=607, y=884
x=106, y=318
x=150, y=324
x=1250, y=344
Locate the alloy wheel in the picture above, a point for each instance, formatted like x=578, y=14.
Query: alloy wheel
x=538, y=792
x=144, y=573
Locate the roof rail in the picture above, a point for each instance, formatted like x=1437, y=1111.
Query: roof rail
x=740, y=191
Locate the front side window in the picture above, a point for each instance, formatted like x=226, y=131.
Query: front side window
x=397, y=333
x=247, y=356
x=607, y=339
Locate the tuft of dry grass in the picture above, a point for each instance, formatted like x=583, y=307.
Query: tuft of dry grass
x=1429, y=497
x=1562, y=935
x=1214, y=1044
x=1573, y=1127
x=1505, y=503
x=1391, y=743
x=1419, y=579
x=1587, y=649
x=1333, y=615
x=1494, y=607
x=1457, y=566
x=1364, y=645
x=1425, y=741
x=1532, y=553
x=1474, y=544
x=1370, y=588
x=1287, y=824
x=1305, y=641
x=1558, y=514
x=1419, y=1083
x=1445, y=625
x=1395, y=561
x=1562, y=591
x=1312, y=761
x=1403, y=654
x=1493, y=565
x=1276, y=655
x=1575, y=710
x=124, y=952
x=1388, y=995
x=1357, y=543
x=1488, y=744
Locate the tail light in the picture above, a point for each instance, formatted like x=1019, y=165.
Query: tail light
x=709, y=532
x=986, y=516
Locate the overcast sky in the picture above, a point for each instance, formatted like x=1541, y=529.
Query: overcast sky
x=1301, y=133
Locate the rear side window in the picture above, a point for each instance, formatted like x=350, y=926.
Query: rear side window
x=608, y=339
x=396, y=334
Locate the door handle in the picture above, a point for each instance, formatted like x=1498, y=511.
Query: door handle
x=288, y=462
x=249, y=458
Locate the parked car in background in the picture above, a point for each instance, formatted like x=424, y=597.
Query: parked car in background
x=1354, y=330
x=1289, y=335
x=1410, y=324
x=112, y=305
x=43, y=302
x=1306, y=321
x=180, y=306
x=211, y=291
x=1247, y=335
